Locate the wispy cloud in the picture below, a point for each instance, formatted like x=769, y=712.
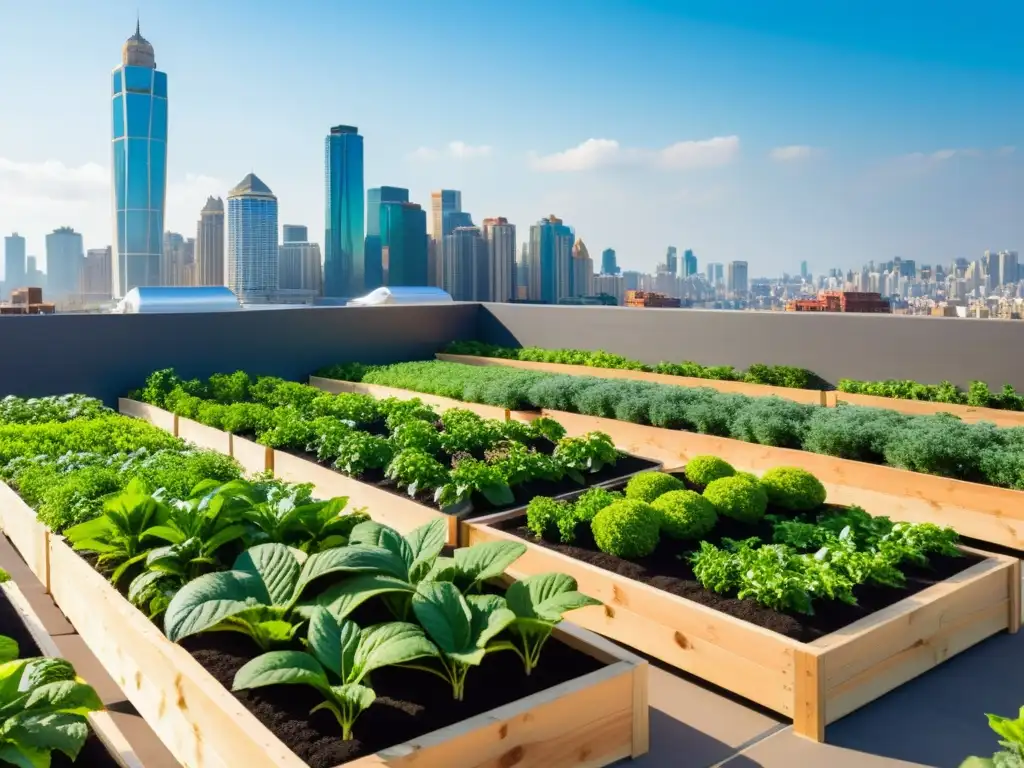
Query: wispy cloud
x=793, y=153
x=459, y=150
x=606, y=153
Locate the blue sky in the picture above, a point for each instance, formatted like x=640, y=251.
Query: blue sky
x=832, y=132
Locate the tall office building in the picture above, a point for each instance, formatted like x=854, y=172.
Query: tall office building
x=374, y=254
x=551, y=244
x=34, y=277
x=178, y=267
x=715, y=273
x=139, y=108
x=672, y=261
x=523, y=272
x=582, y=270
x=442, y=202
x=14, y=262
x=64, y=257
x=467, y=265
x=1009, y=267
x=252, y=263
x=500, y=237
x=294, y=233
x=402, y=228
x=344, y=260
x=608, y=263
x=736, y=279
x=96, y=279
x=803, y=270
x=689, y=263
x=210, y=243
x=299, y=270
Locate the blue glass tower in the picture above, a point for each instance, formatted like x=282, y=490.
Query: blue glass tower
x=252, y=254
x=403, y=230
x=375, y=236
x=550, y=260
x=344, y=261
x=139, y=109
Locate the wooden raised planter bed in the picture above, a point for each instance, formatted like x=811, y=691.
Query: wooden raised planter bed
x=158, y=417
x=204, y=436
x=101, y=723
x=828, y=399
x=335, y=386
x=595, y=719
x=29, y=536
x=813, y=683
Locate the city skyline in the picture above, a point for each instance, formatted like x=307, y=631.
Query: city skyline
x=926, y=182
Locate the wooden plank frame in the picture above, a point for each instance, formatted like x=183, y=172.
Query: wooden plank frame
x=602, y=715
x=812, y=683
x=101, y=723
x=29, y=536
x=158, y=417
x=829, y=399
x=253, y=457
x=203, y=436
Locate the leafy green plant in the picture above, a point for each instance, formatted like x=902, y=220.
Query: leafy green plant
x=519, y=464
x=701, y=470
x=43, y=410
x=258, y=597
x=287, y=514
x=1012, y=742
x=360, y=452
x=544, y=515
x=415, y=471
x=647, y=486
x=472, y=476
x=43, y=709
x=685, y=514
x=794, y=489
x=593, y=501
x=419, y=435
x=628, y=529
x=338, y=651
x=291, y=429
x=588, y=453
x=740, y=497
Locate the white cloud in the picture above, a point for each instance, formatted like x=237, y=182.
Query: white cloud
x=52, y=180
x=792, y=153
x=604, y=153
x=458, y=150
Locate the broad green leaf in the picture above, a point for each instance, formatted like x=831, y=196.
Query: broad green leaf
x=487, y=561
x=443, y=569
x=8, y=649
x=276, y=565
x=10, y=676
x=498, y=495
x=224, y=536
x=386, y=645
x=279, y=668
x=357, y=696
x=490, y=616
x=546, y=596
x=343, y=598
x=333, y=642
x=68, y=696
x=274, y=631
x=25, y=757
x=40, y=671
x=1010, y=730
x=372, y=534
x=49, y=731
x=203, y=603
x=142, y=583
x=426, y=544
x=445, y=615
x=97, y=528
x=166, y=533
x=978, y=762
x=351, y=559
x=125, y=565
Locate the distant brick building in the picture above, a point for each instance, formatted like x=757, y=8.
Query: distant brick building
x=650, y=299
x=842, y=301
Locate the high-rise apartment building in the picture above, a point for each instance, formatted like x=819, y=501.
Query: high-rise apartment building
x=252, y=257
x=299, y=268
x=64, y=256
x=467, y=265
x=582, y=270
x=500, y=237
x=672, y=261
x=210, y=244
x=442, y=202
x=294, y=233
x=402, y=228
x=1009, y=267
x=737, y=283
x=344, y=259
x=551, y=244
x=96, y=279
x=523, y=272
x=608, y=264
x=715, y=273
x=14, y=261
x=178, y=267
x=689, y=263
x=139, y=148
x=610, y=285
x=375, y=243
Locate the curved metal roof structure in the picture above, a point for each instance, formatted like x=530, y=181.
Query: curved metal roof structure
x=207, y=298
x=401, y=294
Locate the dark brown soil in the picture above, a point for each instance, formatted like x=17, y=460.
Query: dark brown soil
x=410, y=703
x=626, y=465
x=668, y=568
x=93, y=754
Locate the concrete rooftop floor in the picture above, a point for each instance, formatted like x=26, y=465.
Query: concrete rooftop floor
x=936, y=720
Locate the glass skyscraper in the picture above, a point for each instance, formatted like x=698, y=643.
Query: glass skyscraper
x=550, y=260
x=344, y=265
x=403, y=230
x=139, y=109
x=252, y=257
x=376, y=239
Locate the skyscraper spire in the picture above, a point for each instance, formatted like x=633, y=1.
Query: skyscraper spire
x=138, y=30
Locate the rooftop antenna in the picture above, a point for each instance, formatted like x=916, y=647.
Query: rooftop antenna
x=138, y=31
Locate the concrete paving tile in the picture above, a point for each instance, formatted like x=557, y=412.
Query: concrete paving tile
x=13, y=563
x=787, y=750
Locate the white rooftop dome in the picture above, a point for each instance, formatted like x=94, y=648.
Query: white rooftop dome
x=401, y=294
x=151, y=299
